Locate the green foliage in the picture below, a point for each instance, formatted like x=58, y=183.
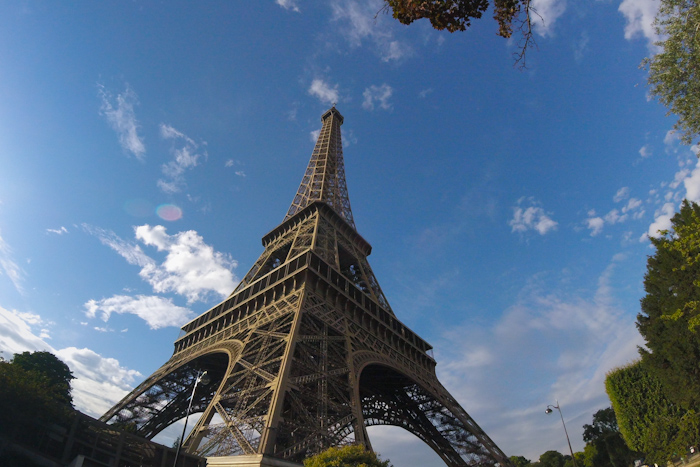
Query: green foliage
x=605, y=446
x=46, y=364
x=649, y=422
x=669, y=312
x=579, y=460
x=34, y=387
x=674, y=73
x=520, y=461
x=552, y=459
x=347, y=456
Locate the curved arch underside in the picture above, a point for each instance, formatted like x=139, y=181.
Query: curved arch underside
x=389, y=397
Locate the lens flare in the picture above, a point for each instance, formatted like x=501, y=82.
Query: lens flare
x=169, y=212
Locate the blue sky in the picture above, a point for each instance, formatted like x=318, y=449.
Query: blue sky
x=146, y=147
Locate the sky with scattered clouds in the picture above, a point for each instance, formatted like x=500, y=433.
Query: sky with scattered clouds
x=146, y=148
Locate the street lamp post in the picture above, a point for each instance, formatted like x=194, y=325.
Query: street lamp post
x=548, y=410
x=204, y=379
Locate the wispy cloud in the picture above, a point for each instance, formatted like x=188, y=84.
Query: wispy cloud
x=288, y=5
x=645, y=151
x=10, y=267
x=191, y=268
x=100, y=382
x=532, y=217
x=361, y=22
x=326, y=93
x=632, y=209
x=566, y=343
x=640, y=15
x=59, y=231
x=314, y=134
x=119, y=112
x=158, y=312
x=546, y=13
x=685, y=185
x=380, y=95
x=184, y=158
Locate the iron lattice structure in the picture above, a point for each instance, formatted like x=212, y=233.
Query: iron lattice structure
x=306, y=352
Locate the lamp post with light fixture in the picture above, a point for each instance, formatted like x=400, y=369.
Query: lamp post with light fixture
x=202, y=377
x=548, y=410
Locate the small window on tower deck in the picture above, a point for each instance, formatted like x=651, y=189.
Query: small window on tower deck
x=350, y=268
x=275, y=259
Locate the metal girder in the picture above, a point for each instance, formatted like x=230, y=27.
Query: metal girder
x=306, y=351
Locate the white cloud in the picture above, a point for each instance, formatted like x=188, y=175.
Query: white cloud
x=11, y=269
x=546, y=13
x=531, y=218
x=314, y=135
x=324, y=92
x=184, y=158
x=362, y=22
x=632, y=204
x=59, y=231
x=240, y=173
x=100, y=382
x=191, y=267
x=640, y=18
x=158, y=312
x=614, y=216
x=662, y=220
x=288, y=5
x=645, y=151
x=229, y=163
x=671, y=138
x=595, y=224
x=122, y=119
x=622, y=193
x=16, y=334
x=425, y=92
x=545, y=346
x=379, y=94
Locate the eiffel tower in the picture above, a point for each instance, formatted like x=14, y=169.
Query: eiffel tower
x=306, y=352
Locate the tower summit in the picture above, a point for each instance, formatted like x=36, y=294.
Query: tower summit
x=306, y=352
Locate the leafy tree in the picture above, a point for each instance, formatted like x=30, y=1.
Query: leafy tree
x=33, y=387
x=46, y=364
x=346, y=456
x=649, y=422
x=671, y=309
x=520, y=461
x=605, y=446
x=552, y=459
x=579, y=460
x=674, y=73
x=456, y=15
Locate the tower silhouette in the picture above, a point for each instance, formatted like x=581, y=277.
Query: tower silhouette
x=306, y=352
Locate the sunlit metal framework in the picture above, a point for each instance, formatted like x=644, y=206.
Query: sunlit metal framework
x=306, y=352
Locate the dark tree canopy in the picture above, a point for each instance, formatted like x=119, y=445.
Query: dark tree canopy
x=605, y=446
x=33, y=387
x=604, y=423
x=46, y=364
x=552, y=459
x=456, y=15
x=674, y=73
x=520, y=461
x=670, y=310
x=347, y=456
